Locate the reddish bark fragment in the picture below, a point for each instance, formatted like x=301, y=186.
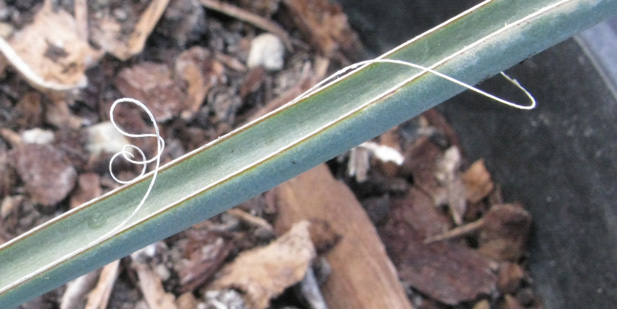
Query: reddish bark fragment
x=505, y=232
x=449, y=272
x=46, y=172
x=88, y=187
x=326, y=27
x=152, y=84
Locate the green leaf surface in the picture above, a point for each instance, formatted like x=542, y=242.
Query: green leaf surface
x=479, y=43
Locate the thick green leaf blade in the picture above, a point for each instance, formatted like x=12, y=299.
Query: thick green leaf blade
x=489, y=38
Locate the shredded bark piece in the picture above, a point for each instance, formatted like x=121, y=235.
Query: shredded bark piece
x=505, y=232
x=121, y=39
x=74, y=296
x=197, y=68
x=264, y=273
x=449, y=272
x=152, y=83
x=362, y=274
x=326, y=27
x=203, y=262
x=88, y=188
x=49, y=52
x=98, y=298
x=152, y=287
x=46, y=172
x=478, y=182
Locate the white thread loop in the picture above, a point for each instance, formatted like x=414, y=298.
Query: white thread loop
x=128, y=155
x=356, y=66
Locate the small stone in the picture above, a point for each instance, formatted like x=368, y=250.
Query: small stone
x=104, y=137
x=37, y=136
x=45, y=171
x=267, y=50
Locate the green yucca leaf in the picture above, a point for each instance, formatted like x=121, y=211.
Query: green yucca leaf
x=481, y=42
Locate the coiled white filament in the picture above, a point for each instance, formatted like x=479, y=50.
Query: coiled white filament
x=128, y=155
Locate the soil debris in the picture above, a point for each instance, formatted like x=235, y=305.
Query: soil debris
x=55, y=60
x=505, y=232
x=264, y=273
x=88, y=188
x=150, y=282
x=203, y=262
x=449, y=272
x=509, y=277
x=122, y=28
x=45, y=171
x=478, y=182
x=326, y=27
x=362, y=274
x=153, y=83
x=98, y=298
x=249, y=17
x=200, y=71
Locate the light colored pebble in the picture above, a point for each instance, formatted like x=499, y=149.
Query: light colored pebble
x=267, y=50
x=37, y=136
x=103, y=137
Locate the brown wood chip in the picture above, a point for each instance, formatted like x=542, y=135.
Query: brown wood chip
x=264, y=273
x=362, y=274
x=88, y=187
x=506, y=228
x=151, y=287
x=197, y=68
x=478, y=182
x=124, y=39
x=46, y=172
x=326, y=27
x=449, y=272
x=99, y=296
x=203, y=263
x=53, y=50
x=152, y=83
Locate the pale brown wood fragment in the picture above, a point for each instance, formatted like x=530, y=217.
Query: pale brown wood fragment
x=362, y=274
x=98, y=298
